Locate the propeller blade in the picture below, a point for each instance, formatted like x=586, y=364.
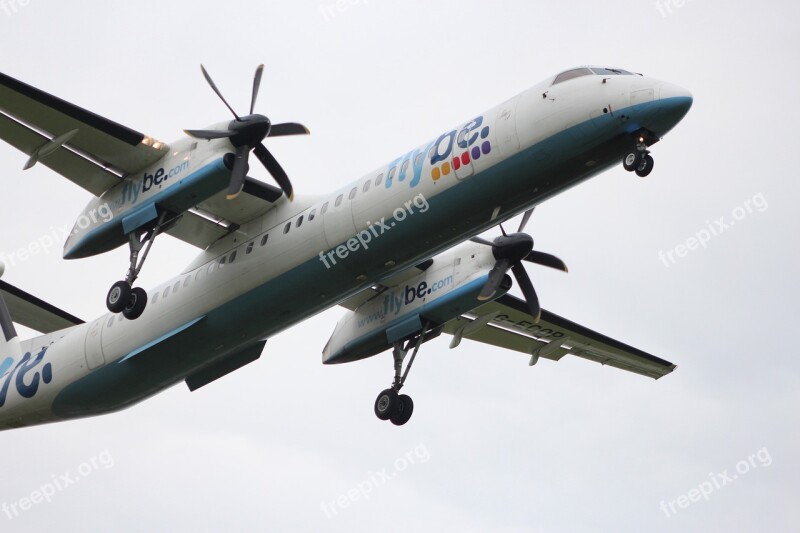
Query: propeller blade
x=528, y=291
x=503, y=230
x=210, y=134
x=525, y=218
x=479, y=240
x=495, y=278
x=256, y=85
x=239, y=172
x=274, y=168
x=213, y=86
x=288, y=128
x=541, y=258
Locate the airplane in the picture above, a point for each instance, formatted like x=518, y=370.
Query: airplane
x=398, y=248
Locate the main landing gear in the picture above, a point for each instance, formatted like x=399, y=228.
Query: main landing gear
x=639, y=159
x=390, y=404
x=123, y=297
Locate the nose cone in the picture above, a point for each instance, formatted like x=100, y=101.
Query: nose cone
x=675, y=101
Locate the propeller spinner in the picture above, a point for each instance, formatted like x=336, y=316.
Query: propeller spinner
x=510, y=251
x=246, y=134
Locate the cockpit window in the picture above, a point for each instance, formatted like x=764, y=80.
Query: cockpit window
x=574, y=73
x=611, y=72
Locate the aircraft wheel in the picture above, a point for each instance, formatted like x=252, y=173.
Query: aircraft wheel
x=136, y=304
x=403, y=414
x=645, y=167
x=386, y=404
x=118, y=296
x=632, y=161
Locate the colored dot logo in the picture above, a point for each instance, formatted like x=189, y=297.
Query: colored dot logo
x=464, y=158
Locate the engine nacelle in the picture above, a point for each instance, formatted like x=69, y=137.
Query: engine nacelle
x=176, y=183
x=448, y=289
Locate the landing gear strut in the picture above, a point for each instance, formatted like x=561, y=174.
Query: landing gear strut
x=639, y=160
x=123, y=297
x=390, y=404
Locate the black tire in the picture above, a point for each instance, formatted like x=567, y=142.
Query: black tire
x=405, y=411
x=118, y=296
x=632, y=160
x=646, y=166
x=386, y=404
x=136, y=304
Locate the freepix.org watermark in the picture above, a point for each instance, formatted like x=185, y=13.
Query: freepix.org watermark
x=45, y=243
x=362, y=490
x=58, y=483
x=713, y=229
x=374, y=230
x=665, y=6
x=704, y=490
x=10, y=7
x=333, y=9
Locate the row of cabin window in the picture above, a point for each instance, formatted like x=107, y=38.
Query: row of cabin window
x=340, y=198
x=365, y=188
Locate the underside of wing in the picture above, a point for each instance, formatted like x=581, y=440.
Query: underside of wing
x=31, y=312
x=216, y=217
x=84, y=147
x=507, y=323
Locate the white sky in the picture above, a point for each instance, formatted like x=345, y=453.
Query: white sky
x=496, y=445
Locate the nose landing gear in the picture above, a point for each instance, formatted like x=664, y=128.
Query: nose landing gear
x=639, y=159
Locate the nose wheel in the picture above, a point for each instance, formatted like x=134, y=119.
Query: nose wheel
x=390, y=404
x=639, y=159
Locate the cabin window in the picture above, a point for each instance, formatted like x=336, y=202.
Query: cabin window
x=339, y=200
x=404, y=168
x=111, y=321
x=199, y=275
x=187, y=281
x=264, y=239
x=312, y=214
x=366, y=186
x=379, y=180
x=392, y=172
x=222, y=262
x=418, y=160
x=324, y=208
x=176, y=287
x=300, y=221
x=211, y=267
x=166, y=293
x=249, y=247
x=233, y=257
x=155, y=298
x=353, y=192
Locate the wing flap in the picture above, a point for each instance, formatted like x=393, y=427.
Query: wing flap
x=554, y=336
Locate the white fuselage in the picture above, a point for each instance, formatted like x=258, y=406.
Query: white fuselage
x=288, y=266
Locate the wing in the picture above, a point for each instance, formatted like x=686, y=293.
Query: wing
x=507, y=323
x=34, y=313
x=216, y=217
x=85, y=148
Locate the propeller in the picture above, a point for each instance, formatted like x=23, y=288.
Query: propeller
x=246, y=134
x=510, y=251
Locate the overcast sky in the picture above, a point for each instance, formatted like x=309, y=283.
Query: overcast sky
x=287, y=444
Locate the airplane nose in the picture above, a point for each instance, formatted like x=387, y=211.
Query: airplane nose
x=675, y=99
